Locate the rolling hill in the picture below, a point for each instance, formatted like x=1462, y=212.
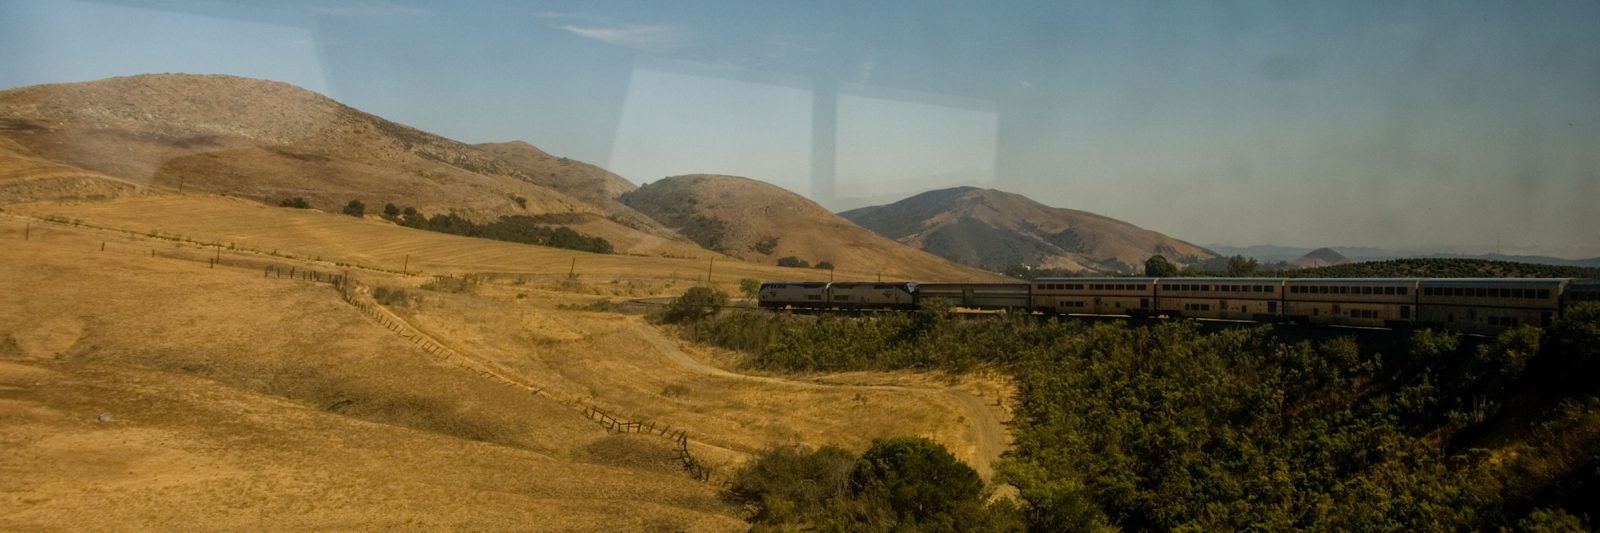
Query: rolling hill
x=760, y=222
x=996, y=230
x=269, y=141
x=1320, y=257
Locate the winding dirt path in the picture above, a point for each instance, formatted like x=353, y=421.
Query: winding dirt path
x=987, y=432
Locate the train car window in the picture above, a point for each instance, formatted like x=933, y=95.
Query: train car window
x=1544, y=293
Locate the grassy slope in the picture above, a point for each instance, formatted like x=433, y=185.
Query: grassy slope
x=334, y=404
x=380, y=245
x=244, y=402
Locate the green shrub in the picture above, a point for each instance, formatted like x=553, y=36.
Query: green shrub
x=750, y=287
x=792, y=261
x=697, y=302
x=355, y=208
x=393, y=296
x=766, y=245
x=918, y=478
x=784, y=483
x=296, y=202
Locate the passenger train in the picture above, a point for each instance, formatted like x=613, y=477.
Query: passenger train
x=1463, y=304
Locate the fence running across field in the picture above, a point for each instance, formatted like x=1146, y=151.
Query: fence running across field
x=358, y=296
x=694, y=466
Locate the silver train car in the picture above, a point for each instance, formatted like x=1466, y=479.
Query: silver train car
x=1483, y=306
x=838, y=295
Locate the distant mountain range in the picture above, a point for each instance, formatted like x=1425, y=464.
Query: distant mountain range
x=270, y=141
x=761, y=222
x=1274, y=253
x=997, y=230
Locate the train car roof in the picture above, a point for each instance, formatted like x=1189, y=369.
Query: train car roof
x=1095, y=280
x=972, y=285
x=1494, y=281
x=794, y=283
x=1214, y=279
x=1351, y=281
x=861, y=283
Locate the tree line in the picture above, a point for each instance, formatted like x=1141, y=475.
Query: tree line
x=516, y=228
x=1169, y=427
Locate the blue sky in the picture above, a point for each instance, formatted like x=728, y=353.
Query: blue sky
x=1399, y=124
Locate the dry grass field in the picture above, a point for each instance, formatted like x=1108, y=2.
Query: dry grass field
x=376, y=244
x=140, y=391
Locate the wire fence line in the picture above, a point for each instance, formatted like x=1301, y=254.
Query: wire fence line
x=358, y=295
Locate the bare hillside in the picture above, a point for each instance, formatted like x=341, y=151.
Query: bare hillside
x=995, y=230
x=269, y=141
x=761, y=222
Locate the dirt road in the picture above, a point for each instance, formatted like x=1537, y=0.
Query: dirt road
x=986, y=432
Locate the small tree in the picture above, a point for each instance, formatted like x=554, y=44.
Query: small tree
x=825, y=265
x=695, y=303
x=766, y=245
x=355, y=208
x=917, y=477
x=296, y=202
x=750, y=287
x=1157, y=266
x=792, y=261
x=1241, y=266
x=390, y=211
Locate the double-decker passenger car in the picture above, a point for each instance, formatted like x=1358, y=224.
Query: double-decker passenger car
x=1488, y=305
x=1368, y=302
x=1577, y=291
x=1095, y=296
x=1003, y=296
x=1220, y=298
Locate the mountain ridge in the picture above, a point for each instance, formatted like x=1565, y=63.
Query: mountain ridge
x=996, y=230
x=269, y=140
x=757, y=221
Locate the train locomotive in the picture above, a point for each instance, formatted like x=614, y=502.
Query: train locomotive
x=1470, y=305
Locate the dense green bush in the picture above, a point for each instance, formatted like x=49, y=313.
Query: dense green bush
x=899, y=484
x=917, y=478
x=519, y=229
x=792, y=261
x=750, y=287
x=355, y=208
x=1170, y=427
x=296, y=202
x=784, y=483
x=697, y=302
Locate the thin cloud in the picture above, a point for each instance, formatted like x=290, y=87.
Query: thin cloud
x=370, y=9
x=643, y=38
x=560, y=15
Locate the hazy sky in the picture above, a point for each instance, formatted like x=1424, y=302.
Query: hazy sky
x=1301, y=123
